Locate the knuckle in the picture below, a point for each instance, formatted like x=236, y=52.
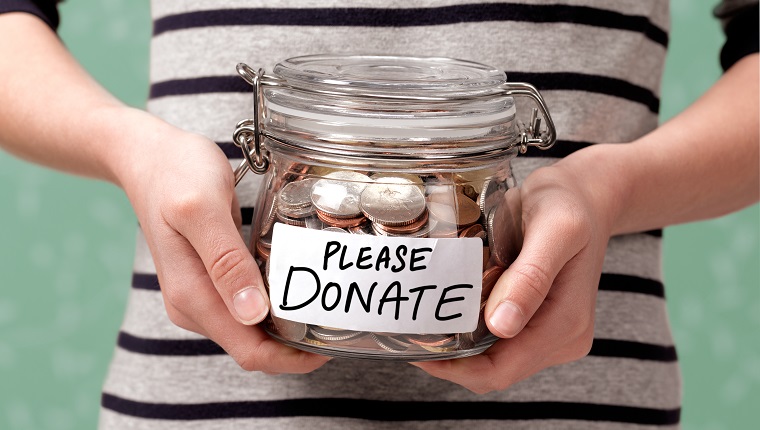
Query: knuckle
x=186, y=205
x=176, y=299
x=247, y=362
x=534, y=279
x=228, y=265
x=176, y=317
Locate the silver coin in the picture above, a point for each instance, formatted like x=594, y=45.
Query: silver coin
x=334, y=229
x=270, y=220
x=290, y=330
x=396, y=201
x=338, y=193
x=314, y=223
x=298, y=222
x=387, y=344
x=328, y=335
x=297, y=213
x=296, y=194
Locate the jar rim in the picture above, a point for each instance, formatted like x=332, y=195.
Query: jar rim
x=391, y=75
x=397, y=105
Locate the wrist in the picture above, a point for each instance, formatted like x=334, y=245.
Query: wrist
x=129, y=142
x=604, y=173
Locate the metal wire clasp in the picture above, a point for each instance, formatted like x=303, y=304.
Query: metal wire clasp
x=248, y=131
x=531, y=135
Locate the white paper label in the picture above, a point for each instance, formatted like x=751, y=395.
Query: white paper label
x=375, y=283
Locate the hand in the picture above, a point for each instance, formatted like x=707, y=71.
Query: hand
x=543, y=305
x=182, y=189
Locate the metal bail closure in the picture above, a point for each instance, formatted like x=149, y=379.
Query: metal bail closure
x=531, y=135
x=248, y=131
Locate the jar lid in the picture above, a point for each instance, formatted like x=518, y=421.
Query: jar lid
x=397, y=106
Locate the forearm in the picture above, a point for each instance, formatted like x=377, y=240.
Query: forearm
x=701, y=164
x=52, y=112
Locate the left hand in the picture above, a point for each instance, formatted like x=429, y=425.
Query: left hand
x=543, y=305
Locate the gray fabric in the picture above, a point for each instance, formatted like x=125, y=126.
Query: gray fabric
x=579, y=116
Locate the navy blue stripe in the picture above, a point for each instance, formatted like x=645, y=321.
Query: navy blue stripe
x=168, y=347
x=558, y=81
x=566, y=81
x=630, y=349
x=384, y=410
x=631, y=284
x=409, y=17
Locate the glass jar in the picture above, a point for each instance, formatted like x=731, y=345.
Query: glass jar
x=388, y=208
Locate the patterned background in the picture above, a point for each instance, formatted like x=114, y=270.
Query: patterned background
x=66, y=247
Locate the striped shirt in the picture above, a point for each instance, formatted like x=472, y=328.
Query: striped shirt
x=598, y=64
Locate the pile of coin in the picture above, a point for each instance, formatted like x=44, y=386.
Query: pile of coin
x=388, y=205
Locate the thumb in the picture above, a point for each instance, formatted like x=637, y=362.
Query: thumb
x=548, y=245
x=229, y=263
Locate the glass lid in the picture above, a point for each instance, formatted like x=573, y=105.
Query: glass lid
x=391, y=75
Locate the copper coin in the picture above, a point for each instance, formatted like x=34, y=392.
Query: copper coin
x=490, y=276
x=425, y=231
x=262, y=250
x=340, y=222
x=430, y=339
x=454, y=209
x=409, y=228
x=475, y=230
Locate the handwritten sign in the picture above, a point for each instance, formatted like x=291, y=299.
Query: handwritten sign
x=375, y=283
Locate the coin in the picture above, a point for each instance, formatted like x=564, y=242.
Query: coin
x=270, y=219
x=337, y=194
x=415, y=179
x=298, y=222
x=430, y=339
x=504, y=228
x=290, y=330
x=335, y=229
x=262, y=250
x=387, y=344
x=407, y=229
x=341, y=336
x=295, y=195
x=341, y=222
x=454, y=208
x=490, y=276
x=395, y=201
x=475, y=230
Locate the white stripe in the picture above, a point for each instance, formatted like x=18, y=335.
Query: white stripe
x=515, y=46
x=166, y=379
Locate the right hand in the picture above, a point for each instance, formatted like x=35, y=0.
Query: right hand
x=182, y=189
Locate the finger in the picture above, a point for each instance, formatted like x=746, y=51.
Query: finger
x=189, y=292
x=552, y=236
x=561, y=330
x=208, y=225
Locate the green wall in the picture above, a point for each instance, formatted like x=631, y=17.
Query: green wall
x=66, y=248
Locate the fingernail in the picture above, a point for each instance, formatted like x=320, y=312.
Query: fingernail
x=250, y=305
x=507, y=319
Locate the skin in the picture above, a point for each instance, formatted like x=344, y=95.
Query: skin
x=189, y=213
